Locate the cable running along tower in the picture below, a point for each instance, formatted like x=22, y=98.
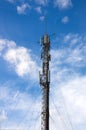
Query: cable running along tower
x=45, y=81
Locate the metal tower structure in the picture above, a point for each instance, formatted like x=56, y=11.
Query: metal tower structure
x=45, y=80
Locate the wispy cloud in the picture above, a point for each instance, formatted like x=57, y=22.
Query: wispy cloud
x=22, y=9
x=67, y=66
x=63, y=4
x=74, y=39
x=42, y=18
x=15, y=111
x=65, y=19
x=42, y=2
x=38, y=9
x=11, y=1
x=71, y=56
x=75, y=94
x=4, y=43
x=71, y=101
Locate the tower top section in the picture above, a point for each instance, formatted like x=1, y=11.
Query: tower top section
x=45, y=39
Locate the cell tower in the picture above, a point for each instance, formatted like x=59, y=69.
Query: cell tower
x=45, y=81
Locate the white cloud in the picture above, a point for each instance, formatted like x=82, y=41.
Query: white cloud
x=4, y=43
x=38, y=9
x=42, y=18
x=68, y=83
x=22, y=9
x=73, y=39
x=69, y=98
x=77, y=49
x=65, y=19
x=21, y=61
x=74, y=93
x=68, y=57
x=69, y=60
x=42, y=2
x=63, y=4
x=67, y=77
x=19, y=58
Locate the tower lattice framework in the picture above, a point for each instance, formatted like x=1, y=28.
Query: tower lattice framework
x=45, y=81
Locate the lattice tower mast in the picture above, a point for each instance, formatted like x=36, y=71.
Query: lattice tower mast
x=45, y=81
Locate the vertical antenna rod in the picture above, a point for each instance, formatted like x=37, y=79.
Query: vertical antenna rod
x=46, y=20
x=45, y=81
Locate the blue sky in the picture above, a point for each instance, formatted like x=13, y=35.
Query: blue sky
x=22, y=23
